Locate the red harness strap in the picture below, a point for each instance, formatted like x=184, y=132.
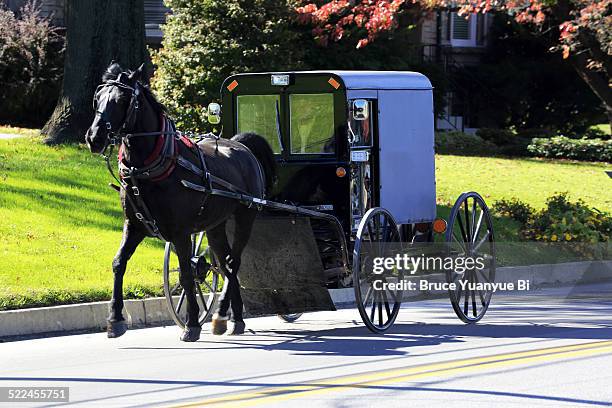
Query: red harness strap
x=160, y=143
x=187, y=142
x=157, y=150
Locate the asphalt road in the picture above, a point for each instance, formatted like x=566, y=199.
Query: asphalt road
x=551, y=348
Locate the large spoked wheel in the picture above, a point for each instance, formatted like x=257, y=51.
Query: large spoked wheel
x=290, y=318
x=377, y=236
x=470, y=234
x=207, y=277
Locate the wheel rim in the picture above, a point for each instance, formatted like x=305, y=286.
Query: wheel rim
x=378, y=308
x=290, y=317
x=470, y=233
x=208, y=283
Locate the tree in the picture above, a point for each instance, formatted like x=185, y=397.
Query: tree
x=519, y=85
x=205, y=41
x=584, y=27
x=97, y=33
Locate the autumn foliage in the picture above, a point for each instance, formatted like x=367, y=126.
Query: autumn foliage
x=333, y=18
x=584, y=26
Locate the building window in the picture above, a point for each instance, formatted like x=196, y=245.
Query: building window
x=467, y=32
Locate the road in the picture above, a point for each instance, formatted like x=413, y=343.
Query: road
x=551, y=348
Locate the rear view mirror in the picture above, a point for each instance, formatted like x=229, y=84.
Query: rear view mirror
x=214, y=113
x=361, y=109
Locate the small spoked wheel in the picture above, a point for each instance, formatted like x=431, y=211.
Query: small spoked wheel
x=290, y=318
x=207, y=277
x=377, y=236
x=470, y=235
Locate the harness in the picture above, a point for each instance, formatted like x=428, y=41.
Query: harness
x=161, y=162
x=158, y=166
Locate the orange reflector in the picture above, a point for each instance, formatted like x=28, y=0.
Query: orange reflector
x=232, y=86
x=439, y=225
x=340, y=172
x=334, y=83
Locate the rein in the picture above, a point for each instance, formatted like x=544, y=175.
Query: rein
x=159, y=165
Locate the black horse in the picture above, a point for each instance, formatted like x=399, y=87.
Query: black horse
x=156, y=164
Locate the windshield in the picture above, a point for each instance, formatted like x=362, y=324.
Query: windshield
x=257, y=113
x=312, y=123
x=311, y=116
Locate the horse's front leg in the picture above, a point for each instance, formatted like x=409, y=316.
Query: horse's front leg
x=129, y=242
x=182, y=246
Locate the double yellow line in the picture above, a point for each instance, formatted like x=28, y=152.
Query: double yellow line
x=272, y=394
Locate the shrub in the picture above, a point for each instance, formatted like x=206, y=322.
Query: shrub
x=31, y=66
x=562, y=147
x=514, y=208
x=205, y=41
x=463, y=143
x=563, y=220
x=509, y=143
x=497, y=136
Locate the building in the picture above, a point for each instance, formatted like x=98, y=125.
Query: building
x=155, y=15
x=454, y=42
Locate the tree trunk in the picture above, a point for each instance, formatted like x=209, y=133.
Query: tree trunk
x=98, y=31
x=596, y=80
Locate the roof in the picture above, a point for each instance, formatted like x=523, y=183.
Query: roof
x=381, y=79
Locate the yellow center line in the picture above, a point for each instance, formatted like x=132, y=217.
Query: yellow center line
x=274, y=394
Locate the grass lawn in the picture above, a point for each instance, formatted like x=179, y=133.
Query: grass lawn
x=529, y=179
x=605, y=128
x=60, y=225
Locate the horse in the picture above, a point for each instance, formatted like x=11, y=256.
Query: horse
x=156, y=164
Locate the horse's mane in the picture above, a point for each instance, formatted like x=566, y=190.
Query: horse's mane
x=112, y=73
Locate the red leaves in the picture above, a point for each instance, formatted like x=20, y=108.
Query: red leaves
x=367, y=19
x=333, y=19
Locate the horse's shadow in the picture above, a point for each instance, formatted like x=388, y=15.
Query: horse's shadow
x=400, y=340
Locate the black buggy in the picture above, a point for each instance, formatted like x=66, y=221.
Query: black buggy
x=356, y=178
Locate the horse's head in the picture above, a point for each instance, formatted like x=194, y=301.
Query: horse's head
x=115, y=103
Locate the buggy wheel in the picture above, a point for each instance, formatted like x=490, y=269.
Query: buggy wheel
x=207, y=277
x=290, y=318
x=470, y=234
x=378, y=307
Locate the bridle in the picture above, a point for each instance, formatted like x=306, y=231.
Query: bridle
x=161, y=166
x=121, y=136
x=122, y=133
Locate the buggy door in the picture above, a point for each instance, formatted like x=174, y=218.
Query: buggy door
x=361, y=137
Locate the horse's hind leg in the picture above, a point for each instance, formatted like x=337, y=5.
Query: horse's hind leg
x=244, y=218
x=129, y=242
x=229, y=260
x=217, y=239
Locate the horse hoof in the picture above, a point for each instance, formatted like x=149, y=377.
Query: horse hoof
x=238, y=329
x=116, y=329
x=191, y=334
x=219, y=325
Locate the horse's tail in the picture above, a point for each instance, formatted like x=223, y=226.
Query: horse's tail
x=263, y=152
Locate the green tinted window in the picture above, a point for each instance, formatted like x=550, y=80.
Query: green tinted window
x=257, y=113
x=312, y=123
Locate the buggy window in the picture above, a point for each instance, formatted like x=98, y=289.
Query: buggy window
x=312, y=123
x=257, y=113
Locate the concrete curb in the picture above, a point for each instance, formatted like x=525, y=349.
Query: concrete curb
x=154, y=312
